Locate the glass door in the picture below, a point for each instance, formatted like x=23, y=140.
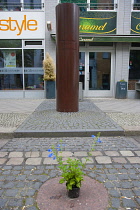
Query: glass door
x=95, y=72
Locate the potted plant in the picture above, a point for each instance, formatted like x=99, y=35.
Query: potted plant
x=72, y=169
x=49, y=76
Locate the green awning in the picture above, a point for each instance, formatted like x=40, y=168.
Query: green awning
x=109, y=38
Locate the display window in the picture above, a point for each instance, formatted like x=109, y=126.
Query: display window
x=19, y=5
x=134, y=70
x=90, y=5
x=21, y=69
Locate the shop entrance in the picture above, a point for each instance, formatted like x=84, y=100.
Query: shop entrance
x=95, y=73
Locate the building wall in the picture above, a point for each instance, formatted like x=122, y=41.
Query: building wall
x=50, y=16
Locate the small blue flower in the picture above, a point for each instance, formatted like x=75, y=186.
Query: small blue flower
x=54, y=158
x=93, y=136
x=58, y=149
x=99, y=141
x=49, y=150
x=58, y=145
x=50, y=155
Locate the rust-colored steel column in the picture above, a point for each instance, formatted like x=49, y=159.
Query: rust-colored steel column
x=67, y=57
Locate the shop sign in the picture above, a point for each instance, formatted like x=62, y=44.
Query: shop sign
x=101, y=24
x=135, y=23
x=25, y=25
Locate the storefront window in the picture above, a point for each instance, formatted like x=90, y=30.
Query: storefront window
x=11, y=76
x=92, y=4
x=33, y=71
x=101, y=4
x=10, y=5
x=10, y=43
x=32, y=4
x=136, y=5
x=134, y=69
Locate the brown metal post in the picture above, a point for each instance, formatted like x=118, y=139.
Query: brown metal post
x=67, y=57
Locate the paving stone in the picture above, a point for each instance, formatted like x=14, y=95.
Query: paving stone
x=119, y=160
x=134, y=159
x=127, y=193
x=109, y=184
x=137, y=192
x=137, y=152
x=96, y=153
x=138, y=200
x=90, y=160
x=45, y=154
x=126, y=185
x=15, y=202
x=112, y=153
x=33, y=161
x=15, y=161
x=3, y=202
x=49, y=161
x=65, y=154
x=128, y=203
x=103, y=159
x=111, y=177
x=11, y=192
x=3, y=154
x=34, y=154
x=15, y=154
x=2, y=160
x=115, y=203
x=82, y=154
x=29, y=201
x=114, y=193
x=27, y=154
x=123, y=176
x=127, y=153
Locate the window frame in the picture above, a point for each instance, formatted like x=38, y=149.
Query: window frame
x=133, y=3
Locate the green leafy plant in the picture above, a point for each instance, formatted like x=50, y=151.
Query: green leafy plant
x=72, y=169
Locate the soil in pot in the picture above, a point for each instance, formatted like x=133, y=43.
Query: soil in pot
x=74, y=193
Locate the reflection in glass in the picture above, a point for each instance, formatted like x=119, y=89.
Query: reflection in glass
x=82, y=68
x=32, y=4
x=11, y=69
x=134, y=69
x=99, y=70
x=101, y=4
x=33, y=70
x=10, y=5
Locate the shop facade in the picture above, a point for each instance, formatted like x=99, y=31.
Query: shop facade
x=109, y=51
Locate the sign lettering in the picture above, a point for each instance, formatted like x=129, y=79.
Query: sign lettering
x=13, y=25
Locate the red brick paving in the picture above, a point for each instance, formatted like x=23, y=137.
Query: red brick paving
x=53, y=196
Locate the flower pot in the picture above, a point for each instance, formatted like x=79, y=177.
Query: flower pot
x=74, y=193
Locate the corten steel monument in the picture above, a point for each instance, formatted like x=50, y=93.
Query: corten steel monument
x=67, y=57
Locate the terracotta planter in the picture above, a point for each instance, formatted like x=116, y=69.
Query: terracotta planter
x=74, y=193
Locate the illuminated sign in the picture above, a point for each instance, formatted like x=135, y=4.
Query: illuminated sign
x=98, y=23
x=13, y=25
x=22, y=25
x=135, y=23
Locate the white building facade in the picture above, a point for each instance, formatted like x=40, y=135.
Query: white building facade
x=109, y=39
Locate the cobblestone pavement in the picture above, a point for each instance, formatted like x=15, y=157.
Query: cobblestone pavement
x=25, y=166
x=46, y=119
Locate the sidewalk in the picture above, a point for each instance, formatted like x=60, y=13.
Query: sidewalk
x=24, y=161
x=39, y=118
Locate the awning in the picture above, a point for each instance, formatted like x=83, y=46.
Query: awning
x=107, y=38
